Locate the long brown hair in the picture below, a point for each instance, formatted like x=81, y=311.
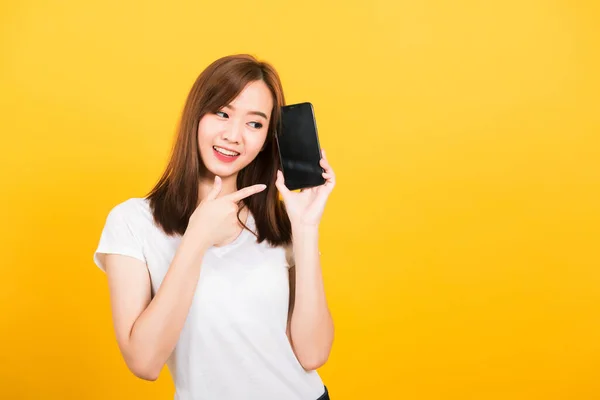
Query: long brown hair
x=175, y=196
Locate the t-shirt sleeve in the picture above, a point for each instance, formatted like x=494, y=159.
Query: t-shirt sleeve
x=119, y=236
x=289, y=256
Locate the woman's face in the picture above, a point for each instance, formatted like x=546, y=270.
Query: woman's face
x=240, y=127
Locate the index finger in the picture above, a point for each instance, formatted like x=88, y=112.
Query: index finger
x=245, y=192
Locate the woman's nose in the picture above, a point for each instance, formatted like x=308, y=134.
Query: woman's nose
x=234, y=131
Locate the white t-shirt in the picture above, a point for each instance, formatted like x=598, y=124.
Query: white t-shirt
x=233, y=345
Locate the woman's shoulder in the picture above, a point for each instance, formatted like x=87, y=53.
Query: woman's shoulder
x=135, y=210
x=132, y=204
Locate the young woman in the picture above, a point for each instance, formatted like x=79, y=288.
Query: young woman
x=216, y=272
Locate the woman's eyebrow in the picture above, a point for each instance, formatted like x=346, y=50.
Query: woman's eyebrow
x=260, y=113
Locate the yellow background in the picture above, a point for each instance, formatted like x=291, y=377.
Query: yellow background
x=460, y=245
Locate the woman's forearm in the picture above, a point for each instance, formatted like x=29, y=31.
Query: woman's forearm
x=311, y=327
x=156, y=331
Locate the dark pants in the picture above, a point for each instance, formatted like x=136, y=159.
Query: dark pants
x=324, y=396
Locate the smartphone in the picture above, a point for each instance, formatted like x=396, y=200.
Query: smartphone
x=299, y=148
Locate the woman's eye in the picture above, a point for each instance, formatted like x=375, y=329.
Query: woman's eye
x=257, y=126
x=222, y=114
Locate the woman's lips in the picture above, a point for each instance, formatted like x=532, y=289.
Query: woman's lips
x=224, y=158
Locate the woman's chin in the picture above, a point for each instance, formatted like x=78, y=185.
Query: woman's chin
x=224, y=171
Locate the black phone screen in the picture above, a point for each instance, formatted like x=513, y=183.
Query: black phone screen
x=299, y=149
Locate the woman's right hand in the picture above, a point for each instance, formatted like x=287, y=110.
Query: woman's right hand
x=215, y=219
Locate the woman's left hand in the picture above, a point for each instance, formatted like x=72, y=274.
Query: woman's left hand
x=305, y=208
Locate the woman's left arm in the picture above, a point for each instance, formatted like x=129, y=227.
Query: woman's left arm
x=310, y=325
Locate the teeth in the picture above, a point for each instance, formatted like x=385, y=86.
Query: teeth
x=226, y=152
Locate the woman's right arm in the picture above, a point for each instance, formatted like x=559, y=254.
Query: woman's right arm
x=146, y=329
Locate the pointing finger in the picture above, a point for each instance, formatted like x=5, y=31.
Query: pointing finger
x=246, y=192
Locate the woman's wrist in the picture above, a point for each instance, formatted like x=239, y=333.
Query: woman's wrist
x=196, y=242
x=302, y=227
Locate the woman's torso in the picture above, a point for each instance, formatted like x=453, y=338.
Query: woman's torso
x=233, y=344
